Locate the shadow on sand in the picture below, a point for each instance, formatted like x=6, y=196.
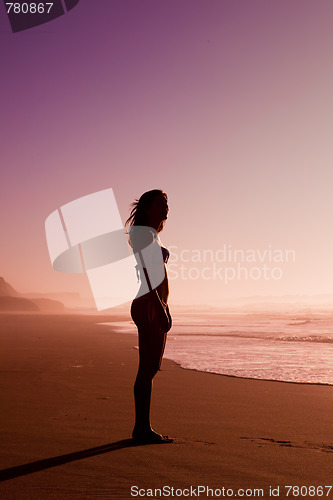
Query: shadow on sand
x=22, y=470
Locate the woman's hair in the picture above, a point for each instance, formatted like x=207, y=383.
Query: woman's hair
x=138, y=215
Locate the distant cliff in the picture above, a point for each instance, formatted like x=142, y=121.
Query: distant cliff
x=6, y=290
x=11, y=300
x=8, y=303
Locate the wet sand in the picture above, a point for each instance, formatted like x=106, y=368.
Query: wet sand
x=68, y=411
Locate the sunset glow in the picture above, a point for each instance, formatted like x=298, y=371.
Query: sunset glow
x=224, y=105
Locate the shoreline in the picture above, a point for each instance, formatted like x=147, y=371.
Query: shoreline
x=103, y=320
x=249, y=378
x=67, y=394
x=126, y=322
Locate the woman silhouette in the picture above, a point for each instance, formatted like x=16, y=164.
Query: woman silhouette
x=149, y=310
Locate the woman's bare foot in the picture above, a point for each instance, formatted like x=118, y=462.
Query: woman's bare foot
x=150, y=437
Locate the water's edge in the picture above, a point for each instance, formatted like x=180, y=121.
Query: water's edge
x=125, y=328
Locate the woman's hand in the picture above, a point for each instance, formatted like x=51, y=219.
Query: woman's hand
x=163, y=312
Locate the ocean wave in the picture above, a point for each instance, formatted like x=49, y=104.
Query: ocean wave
x=301, y=322
x=274, y=336
x=308, y=338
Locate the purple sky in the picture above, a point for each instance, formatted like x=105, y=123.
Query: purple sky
x=226, y=105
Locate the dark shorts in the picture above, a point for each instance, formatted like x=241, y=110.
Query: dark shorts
x=151, y=339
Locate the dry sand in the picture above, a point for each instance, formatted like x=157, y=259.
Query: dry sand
x=67, y=415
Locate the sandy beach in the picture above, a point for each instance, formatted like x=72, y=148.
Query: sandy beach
x=68, y=411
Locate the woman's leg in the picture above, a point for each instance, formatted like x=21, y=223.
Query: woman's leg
x=151, y=347
x=142, y=396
